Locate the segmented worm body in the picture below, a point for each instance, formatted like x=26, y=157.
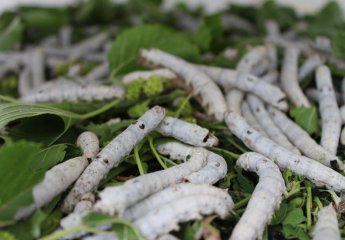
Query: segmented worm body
x=309, y=66
x=327, y=224
x=89, y=144
x=162, y=72
x=313, y=95
x=247, y=113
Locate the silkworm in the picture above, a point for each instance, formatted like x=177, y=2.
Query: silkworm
x=323, y=44
x=266, y=122
x=215, y=169
x=309, y=65
x=56, y=180
x=247, y=83
x=230, y=53
x=73, y=93
x=102, y=236
x=313, y=95
x=24, y=81
x=114, y=200
x=89, y=144
x=329, y=110
x=342, y=136
x=233, y=99
x=112, y=154
x=289, y=78
x=80, y=49
x=342, y=113
x=182, y=210
x=212, y=98
x=266, y=197
x=262, y=67
x=170, y=194
x=167, y=237
x=272, y=28
x=327, y=224
x=319, y=174
x=247, y=113
x=97, y=57
x=36, y=63
x=271, y=77
x=65, y=36
x=302, y=139
x=98, y=72
x=232, y=21
x=187, y=132
x=162, y=72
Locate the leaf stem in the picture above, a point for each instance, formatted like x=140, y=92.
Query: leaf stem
x=100, y=110
x=242, y=202
x=183, y=105
x=8, y=99
x=137, y=160
x=308, y=206
x=154, y=151
x=231, y=154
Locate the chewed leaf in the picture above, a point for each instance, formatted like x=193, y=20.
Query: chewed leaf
x=307, y=118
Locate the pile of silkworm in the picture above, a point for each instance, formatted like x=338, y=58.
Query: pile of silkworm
x=252, y=100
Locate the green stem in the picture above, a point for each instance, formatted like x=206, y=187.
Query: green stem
x=8, y=99
x=154, y=151
x=184, y=103
x=138, y=161
x=308, y=206
x=100, y=110
x=236, y=145
x=318, y=202
x=226, y=152
x=60, y=234
x=242, y=203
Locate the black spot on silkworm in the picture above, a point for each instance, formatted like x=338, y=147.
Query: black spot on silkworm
x=97, y=157
x=257, y=109
x=106, y=161
x=89, y=160
x=184, y=180
x=281, y=100
x=40, y=91
x=217, y=164
x=188, y=157
x=142, y=126
x=329, y=89
x=334, y=164
x=249, y=132
x=206, y=138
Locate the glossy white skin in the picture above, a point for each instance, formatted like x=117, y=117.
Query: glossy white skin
x=247, y=83
x=313, y=95
x=165, y=219
x=266, y=122
x=266, y=197
x=187, y=132
x=271, y=77
x=212, y=97
x=81, y=49
x=162, y=72
x=319, y=174
x=309, y=66
x=57, y=83
x=102, y=236
x=89, y=144
x=73, y=93
x=233, y=99
x=247, y=113
x=99, y=72
x=289, y=78
x=329, y=110
x=112, y=154
x=327, y=224
x=342, y=113
x=114, y=200
x=301, y=139
x=24, y=81
x=36, y=63
x=56, y=181
x=170, y=194
x=214, y=170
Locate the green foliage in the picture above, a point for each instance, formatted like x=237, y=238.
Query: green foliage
x=127, y=45
x=307, y=118
x=8, y=85
x=22, y=166
x=153, y=86
x=11, y=36
x=95, y=12
x=338, y=46
x=134, y=89
x=210, y=29
x=139, y=109
x=6, y=236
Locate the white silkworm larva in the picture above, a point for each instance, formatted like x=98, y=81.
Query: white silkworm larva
x=24, y=81
x=98, y=72
x=272, y=28
x=323, y=44
x=329, y=110
x=232, y=21
x=289, y=78
x=65, y=36
x=342, y=113
x=36, y=63
x=212, y=97
x=112, y=154
x=89, y=144
x=302, y=140
x=342, y=136
x=215, y=169
x=343, y=90
x=74, y=93
x=247, y=83
x=314, y=171
x=167, y=237
x=309, y=65
x=95, y=57
x=327, y=224
x=181, y=210
x=247, y=113
x=90, y=44
x=313, y=95
x=114, y=200
x=265, y=199
x=102, y=236
x=266, y=122
x=187, y=132
x=170, y=194
x=271, y=77
x=262, y=67
x=233, y=99
x=162, y=72
x=56, y=180
x=58, y=83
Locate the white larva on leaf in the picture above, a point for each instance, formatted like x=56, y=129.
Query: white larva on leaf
x=170, y=194
x=309, y=65
x=302, y=140
x=89, y=144
x=181, y=210
x=327, y=224
x=187, y=132
x=319, y=174
x=212, y=97
x=266, y=122
x=233, y=21
x=56, y=180
x=329, y=110
x=112, y=154
x=162, y=72
x=214, y=170
x=313, y=95
x=247, y=83
x=114, y=200
x=74, y=93
x=342, y=113
x=266, y=197
x=247, y=113
x=289, y=78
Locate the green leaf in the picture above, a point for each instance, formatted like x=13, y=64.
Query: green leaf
x=36, y=221
x=338, y=46
x=245, y=184
x=127, y=45
x=210, y=29
x=280, y=214
x=294, y=232
x=6, y=236
x=22, y=166
x=294, y=217
x=11, y=36
x=307, y=118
